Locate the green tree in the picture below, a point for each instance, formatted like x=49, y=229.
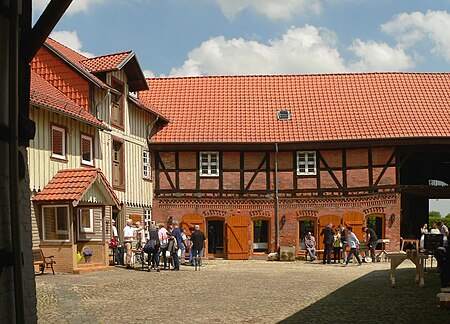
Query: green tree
x=448, y=216
x=435, y=214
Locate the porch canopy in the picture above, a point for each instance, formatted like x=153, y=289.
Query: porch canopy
x=78, y=185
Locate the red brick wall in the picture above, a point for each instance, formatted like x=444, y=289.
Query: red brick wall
x=62, y=77
x=289, y=212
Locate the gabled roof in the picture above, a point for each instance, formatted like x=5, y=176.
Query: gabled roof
x=327, y=107
x=114, y=62
x=73, y=59
x=71, y=185
x=42, y=93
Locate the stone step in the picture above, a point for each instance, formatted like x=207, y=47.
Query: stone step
x=92, y=268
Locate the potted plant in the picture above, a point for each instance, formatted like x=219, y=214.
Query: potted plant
x=87, y=253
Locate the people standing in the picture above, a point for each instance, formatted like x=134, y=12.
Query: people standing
x=344, y=235
x=371, y=239
x=310, y=244
x=128, y=236
x=423, y=232
x=164, y=242
x=337, y=245
x=198, y=244
x=153, y=255
x=328, y=237
x=184, y=246
x=177, y=235
x=353, y=243
x=444, y=231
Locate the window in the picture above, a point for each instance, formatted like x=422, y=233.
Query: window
x=284, y=115
x=209, y=164
x=55, y=223
x=146, y=164
x=117, y=103
x=58, y=142
x=147, y=217
x=118, y=165
x=87, y=150
x=306, y=163
x=86, y=220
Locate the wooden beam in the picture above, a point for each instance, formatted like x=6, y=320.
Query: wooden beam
x=220, y=173
x=43, y=27
x=256, y=173
x=344, y=170
x=388, y=163
x=370, y=161
x=325, y=164
x=166, y=173
x=241, y=171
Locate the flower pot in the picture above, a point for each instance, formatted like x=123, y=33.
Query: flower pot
x=87, y=258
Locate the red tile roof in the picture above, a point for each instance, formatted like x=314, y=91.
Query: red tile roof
x=70, y=186
x=105, y=63
x=242, y=109
x=44, y=94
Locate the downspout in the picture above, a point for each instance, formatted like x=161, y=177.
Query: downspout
x=149, y=130
x=108, y=94
x=16, y=223
x=277, y=223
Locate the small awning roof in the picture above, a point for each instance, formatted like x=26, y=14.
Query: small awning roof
x=73, y=185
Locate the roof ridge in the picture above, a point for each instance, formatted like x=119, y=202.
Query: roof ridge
x=70, y=49
x=293, y=75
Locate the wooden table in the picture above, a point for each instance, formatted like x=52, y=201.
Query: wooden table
x=417, y=258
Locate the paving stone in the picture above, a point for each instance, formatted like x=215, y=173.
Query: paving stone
x=251, y=291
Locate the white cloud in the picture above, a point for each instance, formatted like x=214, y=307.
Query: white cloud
x=375, y=56
x=71, y=40
x=273, y=9
x=75, y=7
x=300, y=50
x=148, y=74
x=410, y=29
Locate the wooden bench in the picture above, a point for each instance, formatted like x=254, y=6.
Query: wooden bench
x=42, y=261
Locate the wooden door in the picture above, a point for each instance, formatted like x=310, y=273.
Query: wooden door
x=190, y=220
x=323, y=222
x=356, y=221
x=237, y=237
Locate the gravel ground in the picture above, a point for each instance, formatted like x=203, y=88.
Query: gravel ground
x=252, y=291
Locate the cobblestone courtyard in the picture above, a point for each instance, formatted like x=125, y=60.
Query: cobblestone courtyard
x=251, y=291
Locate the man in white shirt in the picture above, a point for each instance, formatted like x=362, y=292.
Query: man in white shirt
x=128, y=236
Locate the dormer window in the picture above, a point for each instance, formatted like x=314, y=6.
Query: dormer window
x=284, y=115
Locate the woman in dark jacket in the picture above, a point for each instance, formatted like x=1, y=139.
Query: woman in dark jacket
x=153, y=248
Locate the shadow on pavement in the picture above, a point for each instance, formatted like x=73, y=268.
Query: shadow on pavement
x=371, y=299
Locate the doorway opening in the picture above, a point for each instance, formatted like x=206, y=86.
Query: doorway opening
x=306, y=225
x=376, y=222
x=260, y=236
x=215, y=238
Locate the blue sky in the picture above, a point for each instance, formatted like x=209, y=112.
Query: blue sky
x=227, y=37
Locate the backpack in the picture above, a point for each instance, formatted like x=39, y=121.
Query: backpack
x=149, y=247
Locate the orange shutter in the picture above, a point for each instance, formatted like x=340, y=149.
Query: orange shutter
x=237, y=237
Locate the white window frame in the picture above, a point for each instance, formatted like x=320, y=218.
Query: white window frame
x=91, y=141
x=310, y=165
x=146, y=171
x=56, y=223
x=63, y=131
x=147, y=217
x=209, y=164
x=89, y=229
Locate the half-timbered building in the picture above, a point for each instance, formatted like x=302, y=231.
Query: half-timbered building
x=258, y=160
x=89, y=162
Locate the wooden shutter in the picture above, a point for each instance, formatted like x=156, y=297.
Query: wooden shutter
x=323, y=222
x=356, y=221
x=237, y=237
x=190, y=220
x=117, y=164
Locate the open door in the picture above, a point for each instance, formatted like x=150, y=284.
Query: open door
x=356, y=221
x=323, y=222
x=237, y=237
